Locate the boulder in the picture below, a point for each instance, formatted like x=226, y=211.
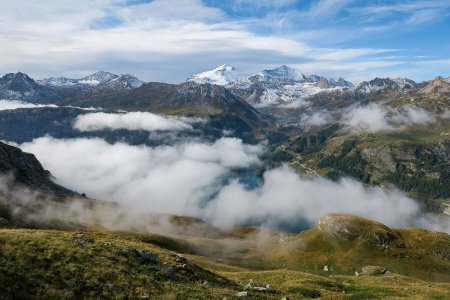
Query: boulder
x=372, y=271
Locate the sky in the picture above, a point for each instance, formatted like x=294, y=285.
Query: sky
x=169, y=40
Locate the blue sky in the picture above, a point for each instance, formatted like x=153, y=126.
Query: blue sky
x=168, y=40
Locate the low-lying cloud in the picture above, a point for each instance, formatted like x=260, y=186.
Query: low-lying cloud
x=193, y=178
x=165, y=179
x=373, y=117
x=132, y=121
x=15, y=104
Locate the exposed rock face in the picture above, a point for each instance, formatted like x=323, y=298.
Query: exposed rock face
x=19, y=86
x=373, y=271
x=442, y=151
x=380, y=157
x=438, y=85
x=28, y=171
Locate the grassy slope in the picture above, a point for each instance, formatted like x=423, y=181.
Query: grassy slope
x=93, y=264
x=403, y=158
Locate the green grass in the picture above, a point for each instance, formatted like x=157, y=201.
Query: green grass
x=98, y=263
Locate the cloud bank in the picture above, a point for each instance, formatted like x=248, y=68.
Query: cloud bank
x=132, y=121
x=373, y=117
x=194, y=179
x=15, y=104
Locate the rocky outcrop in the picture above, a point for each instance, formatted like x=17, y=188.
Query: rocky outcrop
x=25, y=169
x=438, y=85
x=371, y=271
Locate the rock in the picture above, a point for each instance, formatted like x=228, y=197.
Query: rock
x=71, y=283
x=147, y=255
x=180, y=258
x=243, y=294
x=249, y=284
x=373, y=270
x=83, y=240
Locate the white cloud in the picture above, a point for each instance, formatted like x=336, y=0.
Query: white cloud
x=172, y=179
x=375, y=117
x=285, y=197
x=160, y=40
x=258, y=4
x=131, y=121
x=15, y=104
x=319, y=118
x=187, y=179
x=326, y=8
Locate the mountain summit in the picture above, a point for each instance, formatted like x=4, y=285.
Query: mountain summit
x=222, y=75
x=283, y=73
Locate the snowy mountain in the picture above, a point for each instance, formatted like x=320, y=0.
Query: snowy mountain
x=97, y=80
x=280, y=85
x=222, y=75
x=381, y=84
x=19, y=86
x=280, y=74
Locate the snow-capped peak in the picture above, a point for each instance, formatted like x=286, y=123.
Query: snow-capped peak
x=222, y=75
x=97, y=78
x=283, y=72
x=380, y=84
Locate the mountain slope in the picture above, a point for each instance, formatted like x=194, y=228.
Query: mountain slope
x=19, y=86
x=97, y=263
x=223, y=109
x=99, y=80
x=27, y=171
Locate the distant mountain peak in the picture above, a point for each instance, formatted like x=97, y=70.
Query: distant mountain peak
x=97, y=79
x=283, y=72
x=222, y=75
x=380, y=84
x=437, y=85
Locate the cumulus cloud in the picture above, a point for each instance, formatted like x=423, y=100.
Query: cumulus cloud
x=194, y=179
x=132, y=121
x=15, y=104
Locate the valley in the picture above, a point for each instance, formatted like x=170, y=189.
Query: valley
x=264, y=186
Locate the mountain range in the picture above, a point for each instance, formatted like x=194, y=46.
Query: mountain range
x=304, y=118
x=271, y=87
